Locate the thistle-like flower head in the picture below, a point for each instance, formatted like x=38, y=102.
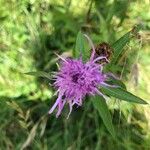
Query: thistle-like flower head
x=76, y=79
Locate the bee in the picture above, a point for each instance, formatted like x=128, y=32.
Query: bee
x=103, y=49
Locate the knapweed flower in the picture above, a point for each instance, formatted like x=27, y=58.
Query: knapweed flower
x=76, y=79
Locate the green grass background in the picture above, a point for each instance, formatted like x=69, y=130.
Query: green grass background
x=31, y=31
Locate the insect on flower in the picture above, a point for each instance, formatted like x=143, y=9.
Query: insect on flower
x=103, y=49
x=76, y=79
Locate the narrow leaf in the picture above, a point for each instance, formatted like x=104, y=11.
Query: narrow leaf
x=122, y=94
x=120, y=43
x=100, y=104
x=39, y=74
x=118, y=83
x=79, y=47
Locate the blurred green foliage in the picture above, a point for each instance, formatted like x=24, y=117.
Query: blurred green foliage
x=31, y=31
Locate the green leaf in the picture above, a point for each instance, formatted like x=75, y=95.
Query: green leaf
x=82, y=47
x=117, y=83
x=79, y=47
x=122, y=95
x=119, y=44
x=100, y=104
x=40, y=74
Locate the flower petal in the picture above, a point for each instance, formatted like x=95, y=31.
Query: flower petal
x=55, y=104
x=60, y=107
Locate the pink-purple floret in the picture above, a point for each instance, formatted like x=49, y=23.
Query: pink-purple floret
x=75, y=80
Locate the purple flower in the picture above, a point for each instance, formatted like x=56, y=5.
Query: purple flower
x=77, y=79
